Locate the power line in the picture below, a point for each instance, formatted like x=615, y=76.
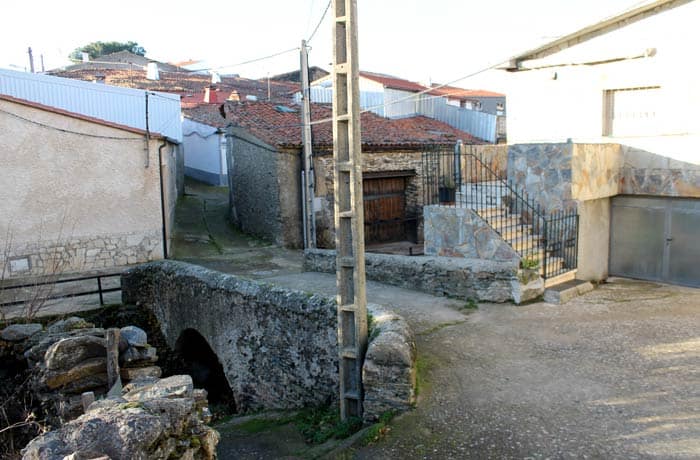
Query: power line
x=97, y=136
x=323, y=16
x=296, y=48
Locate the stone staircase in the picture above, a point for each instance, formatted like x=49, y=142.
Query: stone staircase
x=520, y=237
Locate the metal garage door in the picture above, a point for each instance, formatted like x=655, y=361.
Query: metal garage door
x=656, y=239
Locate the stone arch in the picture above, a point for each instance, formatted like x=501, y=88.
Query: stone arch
x=204, y=366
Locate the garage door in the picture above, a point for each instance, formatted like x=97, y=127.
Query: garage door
x=385, y=207
x=656, y=239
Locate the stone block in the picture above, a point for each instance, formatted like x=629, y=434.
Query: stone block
x=67, y=353
x=58, y=378
x=19, y=332
x=137, y=373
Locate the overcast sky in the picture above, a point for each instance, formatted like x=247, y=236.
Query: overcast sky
x=440, y=40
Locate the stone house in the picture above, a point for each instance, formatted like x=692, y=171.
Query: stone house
x=602, y=121
x=265, y=164
x=83, y=191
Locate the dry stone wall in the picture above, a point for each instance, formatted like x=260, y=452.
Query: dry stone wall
x=477, y=279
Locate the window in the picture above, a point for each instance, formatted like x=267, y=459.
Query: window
x=632, y=111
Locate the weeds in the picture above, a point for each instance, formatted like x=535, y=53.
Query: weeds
x=379, y=429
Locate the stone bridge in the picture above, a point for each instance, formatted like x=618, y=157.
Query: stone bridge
x=277, y=347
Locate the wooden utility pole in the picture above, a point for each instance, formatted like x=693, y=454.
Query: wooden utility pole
x=309, y=186
x=349, y=213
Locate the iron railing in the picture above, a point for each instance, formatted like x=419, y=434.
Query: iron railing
x=463, y=178
x=100, y=289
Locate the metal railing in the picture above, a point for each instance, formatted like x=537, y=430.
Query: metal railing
x=73, y=293
x=462, y=178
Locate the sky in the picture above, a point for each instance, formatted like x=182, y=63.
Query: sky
x=437, y=40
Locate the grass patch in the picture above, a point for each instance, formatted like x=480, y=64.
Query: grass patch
x=470, y=305
x=379, y=429
x=440, y=326
x=320, y=424
x=423, y=366
x=258, y=425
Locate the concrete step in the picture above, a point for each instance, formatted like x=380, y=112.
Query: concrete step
x=523, y=243
x=564, y=292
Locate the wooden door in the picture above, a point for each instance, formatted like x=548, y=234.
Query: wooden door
x=385, y=209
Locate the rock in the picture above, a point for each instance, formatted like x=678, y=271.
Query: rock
x=19, y=332
x=389, y=370
x=134, y=355
x=138, y=373
x=132, y=336
x=68, y=325
x=67, y=353
x=159, y=421
x=87, y=368
x=527, y=287
x=39, y=343
x=180, y=386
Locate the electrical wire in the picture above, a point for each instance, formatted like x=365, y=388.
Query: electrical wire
x=296, y=48
x=323, y=16
x=97, y=136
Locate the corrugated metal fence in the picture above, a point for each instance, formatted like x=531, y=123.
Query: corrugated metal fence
x=124, y=106
x=393, y=104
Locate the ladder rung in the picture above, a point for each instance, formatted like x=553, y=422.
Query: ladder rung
x=345, y=117
x=341, y=68
x=344, y=166
x=346, y=214
x=348, y=353
x=348, y=308
x=347, y=262
x=351, y=395
x=341, y=19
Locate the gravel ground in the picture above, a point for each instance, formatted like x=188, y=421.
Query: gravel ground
x=613, y=374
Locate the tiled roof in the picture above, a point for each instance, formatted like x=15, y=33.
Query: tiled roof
x=460, y=93
x=281, y=128
x=184, y=82
x=392, y=82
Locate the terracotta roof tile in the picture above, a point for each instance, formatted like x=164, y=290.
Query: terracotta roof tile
x=393, y=82
x=460, y=93
x=278, y=127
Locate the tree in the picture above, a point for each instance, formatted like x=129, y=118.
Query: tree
x=97, y=49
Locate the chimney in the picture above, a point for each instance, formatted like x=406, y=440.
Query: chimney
x=100, y=78
x=210, y=95
x=234, y=96
x=215, y=78
x=152, y=71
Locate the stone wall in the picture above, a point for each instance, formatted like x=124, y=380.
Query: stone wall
x=544, y=172
x=596, y=170
x=478, y=279
x=255, y=208
x=389, y=370
x=278, y=348
x=645, y=173
x=49, y=258
x=461, y=232
x=373, y=161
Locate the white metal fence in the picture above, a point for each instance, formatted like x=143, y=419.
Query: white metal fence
x=393, y=104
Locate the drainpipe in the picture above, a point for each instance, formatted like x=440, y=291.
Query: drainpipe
x=162, y=198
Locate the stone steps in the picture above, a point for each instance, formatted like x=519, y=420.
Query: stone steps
x=564, y=292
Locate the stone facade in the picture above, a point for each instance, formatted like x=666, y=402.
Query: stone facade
x=544, y=172
x=596, y=171
x=461, y=232
x=373, y=161
x=476, y=279
x=44, y=258
x=645, y=173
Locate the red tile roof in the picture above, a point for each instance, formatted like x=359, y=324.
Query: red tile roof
x=268, y=123
x=460, y=93
x=185, y=82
